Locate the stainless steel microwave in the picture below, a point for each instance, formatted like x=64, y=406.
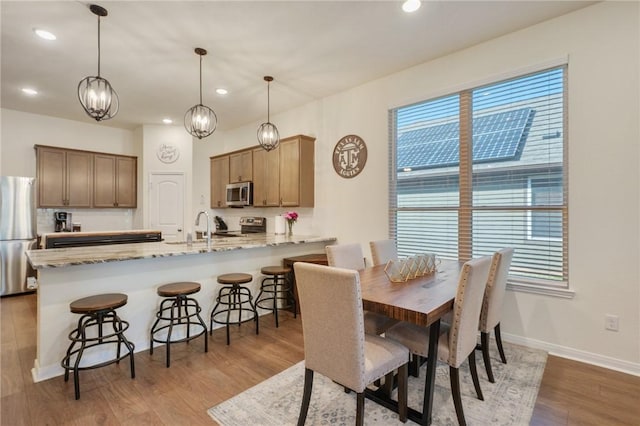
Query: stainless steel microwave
x=240, y=194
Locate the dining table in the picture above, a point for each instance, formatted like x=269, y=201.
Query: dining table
x=422, y=300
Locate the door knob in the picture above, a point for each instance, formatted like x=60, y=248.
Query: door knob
x=179, y=230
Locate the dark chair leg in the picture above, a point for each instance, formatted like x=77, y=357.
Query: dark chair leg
x=360, y=409
x=484, y=337
x=306, y=396
x=403, y=379
x=388, y=384
x=455, y=393
x=474, y=375
x=414, y=366
x=496, y=330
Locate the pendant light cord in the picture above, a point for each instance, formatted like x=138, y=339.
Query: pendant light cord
x=268, y=101
x=98, y=46
x=200, y=79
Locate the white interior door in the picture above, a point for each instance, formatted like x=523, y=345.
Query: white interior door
x=166, y=204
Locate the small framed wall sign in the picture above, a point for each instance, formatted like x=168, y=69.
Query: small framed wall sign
x=168, y=153
x=349, y=156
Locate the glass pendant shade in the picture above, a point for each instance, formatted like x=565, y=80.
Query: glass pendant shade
x=268, y=135
x=97, y=97
x=200, y=120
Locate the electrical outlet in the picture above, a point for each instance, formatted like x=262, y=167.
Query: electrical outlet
x=611, y=322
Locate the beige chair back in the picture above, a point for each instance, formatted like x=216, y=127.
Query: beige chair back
x=348, y=256
x=332, y=322
x=496, y=287
x=382, y=251
x=466, y=310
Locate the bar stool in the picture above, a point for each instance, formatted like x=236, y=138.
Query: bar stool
x=276, y=287
x=178, y=310
x=231, y=298
x=98, y=310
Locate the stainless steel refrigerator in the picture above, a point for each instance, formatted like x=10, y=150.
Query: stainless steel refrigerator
x=17, y=232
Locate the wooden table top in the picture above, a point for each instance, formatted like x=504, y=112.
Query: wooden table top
x=421, y=300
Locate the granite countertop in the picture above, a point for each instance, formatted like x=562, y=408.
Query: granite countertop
x=58, y=258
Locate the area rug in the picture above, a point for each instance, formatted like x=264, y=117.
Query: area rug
x=508, y=401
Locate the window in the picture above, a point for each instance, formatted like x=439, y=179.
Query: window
x=483, y=169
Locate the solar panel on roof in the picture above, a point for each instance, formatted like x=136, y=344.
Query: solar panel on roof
x=496, y=137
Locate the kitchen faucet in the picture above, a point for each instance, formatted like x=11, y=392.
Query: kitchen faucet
x=208, y=234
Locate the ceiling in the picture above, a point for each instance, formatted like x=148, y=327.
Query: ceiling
x=313, y=49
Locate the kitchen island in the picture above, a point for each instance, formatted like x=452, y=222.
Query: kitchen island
x=137, y=270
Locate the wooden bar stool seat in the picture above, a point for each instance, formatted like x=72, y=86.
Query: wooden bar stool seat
x=178, y=314
x=276, y=291
x=231, y=299
x=96, y=311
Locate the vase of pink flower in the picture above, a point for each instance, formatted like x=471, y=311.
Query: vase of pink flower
x=291, y=218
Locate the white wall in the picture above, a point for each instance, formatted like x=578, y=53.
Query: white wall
x=602, y=46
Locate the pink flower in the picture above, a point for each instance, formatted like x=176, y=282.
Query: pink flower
x=291, y=217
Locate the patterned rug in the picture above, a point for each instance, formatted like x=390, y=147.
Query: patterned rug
x=508, y=401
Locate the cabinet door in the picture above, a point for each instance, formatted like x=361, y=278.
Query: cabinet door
x=266, y=177
x=79, y=178
x=104, y=184
x=241, y=167
x=126, y=182
x=219, y=180
x=51, y=177
x=289, y=173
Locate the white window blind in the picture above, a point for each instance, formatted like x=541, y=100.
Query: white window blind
x=484, y=169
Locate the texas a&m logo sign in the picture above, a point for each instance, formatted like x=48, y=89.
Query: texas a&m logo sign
x=349, y=156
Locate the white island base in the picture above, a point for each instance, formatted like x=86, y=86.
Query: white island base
x=138, y=278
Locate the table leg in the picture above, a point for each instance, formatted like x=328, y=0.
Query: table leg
x=432, y=360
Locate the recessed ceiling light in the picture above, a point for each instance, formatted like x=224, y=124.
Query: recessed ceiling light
x=44, y=34
x=222, y=91
x=410, y=6
x=167, y=120
x=28, y=91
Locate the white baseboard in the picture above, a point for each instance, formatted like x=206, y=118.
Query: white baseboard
x=575, y=354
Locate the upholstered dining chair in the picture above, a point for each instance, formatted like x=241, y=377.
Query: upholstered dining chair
x=457, y=341
x=492, y=306
x=382, y=251
x=335, y=344
x=350, y=256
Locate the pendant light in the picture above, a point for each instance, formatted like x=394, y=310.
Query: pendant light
x=96, y=95
x=268, y=135
x=200, y=120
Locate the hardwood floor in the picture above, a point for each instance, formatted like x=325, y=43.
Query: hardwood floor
x=571, y=393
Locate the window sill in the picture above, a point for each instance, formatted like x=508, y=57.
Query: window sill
x=564, y=293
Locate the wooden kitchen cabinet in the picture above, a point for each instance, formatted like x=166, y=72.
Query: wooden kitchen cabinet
x=65, y=177
x=297, y=171
x=241, y=166
x=115, y=181
x=266, y=177
x=219, y=179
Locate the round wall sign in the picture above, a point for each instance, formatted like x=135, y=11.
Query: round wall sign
x=349, y=156
x=168, y=153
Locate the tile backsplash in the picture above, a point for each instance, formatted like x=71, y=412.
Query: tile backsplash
x=90, y=220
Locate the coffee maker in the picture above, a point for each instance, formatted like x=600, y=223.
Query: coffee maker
x=63, y=221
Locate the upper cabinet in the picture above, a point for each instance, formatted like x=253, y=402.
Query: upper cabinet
x=73, y=178
x=219, y=181
x=266, y=177
x=240, y=167
x=283, y=177
x=297, y=171
x=115, y=181
x=65, y=177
